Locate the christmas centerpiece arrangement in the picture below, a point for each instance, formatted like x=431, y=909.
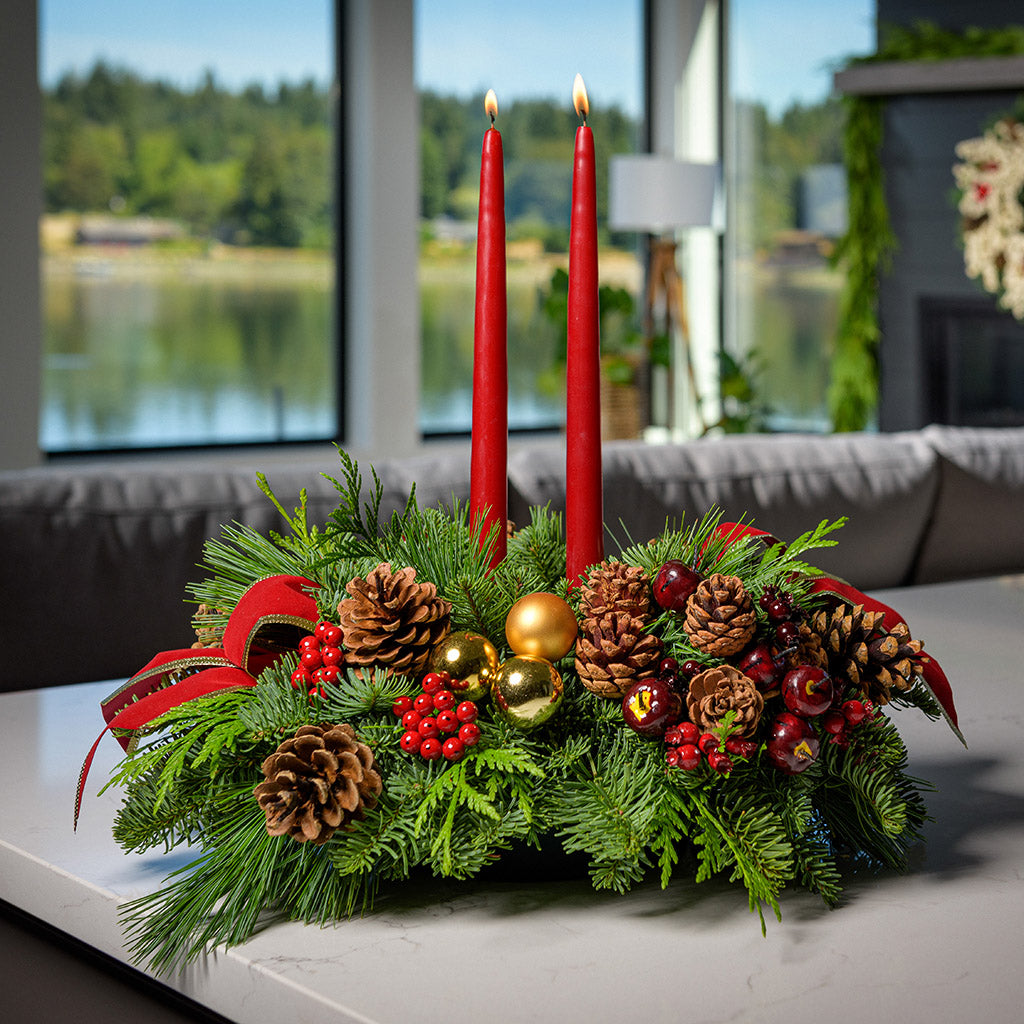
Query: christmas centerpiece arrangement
x=990, y=181
x=367, y=701
x=373, y=699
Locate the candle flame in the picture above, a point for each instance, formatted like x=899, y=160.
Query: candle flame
x=491, y=104
x=579, y=98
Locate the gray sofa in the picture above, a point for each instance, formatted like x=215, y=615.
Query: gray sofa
x=95, y=557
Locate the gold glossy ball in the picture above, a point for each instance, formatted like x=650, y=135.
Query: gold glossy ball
x=541, y=625
x=470, y=659
x=528, y=690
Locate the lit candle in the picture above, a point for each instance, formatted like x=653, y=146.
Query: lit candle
x=488, y=501
x=584, y=499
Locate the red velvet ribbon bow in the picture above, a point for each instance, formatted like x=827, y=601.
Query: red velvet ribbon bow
x=931, y=672
x=269, y=619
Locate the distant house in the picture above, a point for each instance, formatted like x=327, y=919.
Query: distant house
x=105, y=230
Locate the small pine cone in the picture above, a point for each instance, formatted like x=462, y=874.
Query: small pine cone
x=208, y=624
x=716, y=691
x=807, y=650
x=864, y=654
x=392, y=621
x=316, y=782
x=615, y=587
x=613, y=652
x=720, y=616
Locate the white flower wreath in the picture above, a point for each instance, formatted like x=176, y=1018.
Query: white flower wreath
x=991, y=179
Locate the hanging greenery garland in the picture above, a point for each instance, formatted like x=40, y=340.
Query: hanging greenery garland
x=869, y=243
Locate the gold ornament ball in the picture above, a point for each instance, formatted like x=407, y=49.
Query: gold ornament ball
x=528, y=690
x=541, y=625
x=470, y=659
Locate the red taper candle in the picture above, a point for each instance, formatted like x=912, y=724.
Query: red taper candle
x=584, y=499
x=488, y=501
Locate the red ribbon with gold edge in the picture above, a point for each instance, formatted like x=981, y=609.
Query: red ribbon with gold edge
x=931, y=672
x=269, y=619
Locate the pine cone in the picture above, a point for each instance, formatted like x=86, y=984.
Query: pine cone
x=208, y=624
x=613, y=652
x=864, y=654
x=720, y=616
x=807, y=650
x=316, y=782
x=391, y=620
x=615, y=587
x=716, y=691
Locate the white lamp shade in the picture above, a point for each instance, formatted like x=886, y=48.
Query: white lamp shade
x=657, y=193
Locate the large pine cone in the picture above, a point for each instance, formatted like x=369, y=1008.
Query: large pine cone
x=391, y=620
x=316, y=782
x=613, y=652
x=716, y=691
x=720, y=616
x=864, y=654
x=615, y=587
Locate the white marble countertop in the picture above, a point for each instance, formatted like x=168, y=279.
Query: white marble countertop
x=940, y=943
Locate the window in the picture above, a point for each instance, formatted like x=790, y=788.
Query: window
x=188, y=273
x=787, y=196
x=529, y=53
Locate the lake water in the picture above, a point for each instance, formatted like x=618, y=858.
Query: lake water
x=143, y=357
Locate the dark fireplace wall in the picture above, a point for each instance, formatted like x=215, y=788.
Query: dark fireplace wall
x=948, y=353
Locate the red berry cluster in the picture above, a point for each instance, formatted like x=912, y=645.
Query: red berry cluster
x=320, y=659
x=778, y=607
x=436, y=723
x=837, y=722
x=688, y=747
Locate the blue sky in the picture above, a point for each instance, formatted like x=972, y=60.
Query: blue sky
x=517, y=47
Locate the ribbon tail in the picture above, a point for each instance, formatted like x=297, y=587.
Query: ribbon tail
x=935, y=682
x=84, y=774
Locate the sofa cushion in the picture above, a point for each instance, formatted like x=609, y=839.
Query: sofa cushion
x=977, y=526
x=785, y=484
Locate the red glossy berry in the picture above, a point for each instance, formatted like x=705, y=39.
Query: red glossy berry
x=740, y=747
x=669, y=668
x=428, y=727
x=424, y=703
x=309, y=642
x=430, y=748
x=432, y=682
x=332, y=635
x=690, y=757
x=320, y=630
x=689, y=733
x=807, y=690
x=466, y=711
x=332, y=655
x=329, y=673
x=779, y=610
x=720, y=762
x=650, y=706
x=689, y=669
x=401, y=705
x=708, y=743
x=469, y=733
x=317, y=675
x=854, y=712
x=453, y=748
x=672, y=757
x=786, y=633
x=833, y=722
x=770, y=594
x=760, y=667
x=447, y=721
x=310, y=658
x=674, y=584
x=410, y=741
x=792, y=745
x=411, y=719
x=316, y=691
x=301, y=678
x=444, y=699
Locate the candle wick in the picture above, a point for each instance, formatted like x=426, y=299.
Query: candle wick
x=492, y=120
